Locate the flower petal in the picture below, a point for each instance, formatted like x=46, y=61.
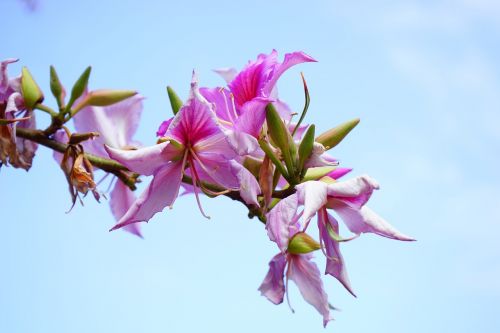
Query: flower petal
x=306, y=276
x=280, y=220
x=121, y=200
x=313, y=195
x=228, y=73
x=334, y=262
x=273, y=286
x=147, y=160
x=249, y=186
x=160, y=193
x=355, y=191
x=365, y=220
x=339, y=172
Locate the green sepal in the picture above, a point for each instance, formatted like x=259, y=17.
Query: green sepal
x=32, y=94
x=335, y=236
x=79, y=87
x=56, y=87
x=175, y=101
x=281, y=137
x=306, y=146
x=302, y=243
x=334, y=136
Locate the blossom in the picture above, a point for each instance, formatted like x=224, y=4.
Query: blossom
x=241, y=106
x=295, y=266
x=14, y=150
x=347, y=199
x=193, y=140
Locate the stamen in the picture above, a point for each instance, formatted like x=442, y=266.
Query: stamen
x=196, y=179
x=227, y=106
x=231, y=96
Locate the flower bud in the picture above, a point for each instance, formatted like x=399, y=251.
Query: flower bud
x=306, y=146
x=56, y=87
x=334, y=136
x=302, y=243
x=79, y=87
x=104, y=97
x=175, y=101
x=277, y=129
x=32, y=94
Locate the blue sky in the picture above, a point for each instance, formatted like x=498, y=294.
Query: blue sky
x=424, y=78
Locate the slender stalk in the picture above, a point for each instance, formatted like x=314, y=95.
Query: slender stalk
x=46, y=109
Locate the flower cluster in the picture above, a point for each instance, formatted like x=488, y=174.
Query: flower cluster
x=241, y=141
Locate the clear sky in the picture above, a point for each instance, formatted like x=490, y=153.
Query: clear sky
x=423, y=76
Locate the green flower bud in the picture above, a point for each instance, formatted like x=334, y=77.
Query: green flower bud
x=79, y=87
x=334, y=136
x=302, y=243
x=31, y=91
x=104, y=97
x=56, y=87
x=318, y=172
x=175, y=101
x=306, y=146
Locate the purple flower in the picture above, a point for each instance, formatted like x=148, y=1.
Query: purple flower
x=16, y=151
x=194, y=140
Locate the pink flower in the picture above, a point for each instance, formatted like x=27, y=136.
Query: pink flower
x=241, y=108
x=194, y=140
x=297, y=267
x=347, y=199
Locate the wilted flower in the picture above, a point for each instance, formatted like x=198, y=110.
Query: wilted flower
x=15, y=151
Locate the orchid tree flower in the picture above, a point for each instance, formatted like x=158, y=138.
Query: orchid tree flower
x=241, y=106
x=193, y=140
x=347, y=199
x=13, y=113
x=297, y=267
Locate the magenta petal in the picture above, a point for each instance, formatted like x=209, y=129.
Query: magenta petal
x=365, y=220
x=306, y=276
x=160, y=193
x=121, y=200
x=273, y=286
x=222, y=102
x=162, y=130
x=147, y=160
x=280, y=220
x=195, y=120
x=252, y=117
x=338, y=173
x=291, y=59
x=125, y=118
x=334, y=262
x=244, y=144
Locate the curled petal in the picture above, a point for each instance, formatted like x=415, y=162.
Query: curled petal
x=306, y=276
x=228, y=73
x=147, y=160
x=365, y=220
x=334, y=262
x=354, y=192
x=121, y=200
x=273, y=286
x=160, y=193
